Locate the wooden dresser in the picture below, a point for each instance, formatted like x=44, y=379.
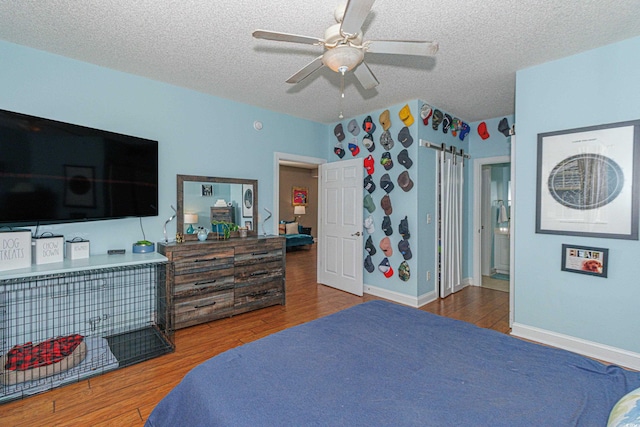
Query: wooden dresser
x=219, y=278
x=223, y=214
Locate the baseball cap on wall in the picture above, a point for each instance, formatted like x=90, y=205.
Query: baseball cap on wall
x=482, y=130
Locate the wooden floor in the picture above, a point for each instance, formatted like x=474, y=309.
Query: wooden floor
x=126, y=397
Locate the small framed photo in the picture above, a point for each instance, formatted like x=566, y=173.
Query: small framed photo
x=207, y=190
x=585, y=260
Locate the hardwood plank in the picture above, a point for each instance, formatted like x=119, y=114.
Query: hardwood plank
x=127, y=396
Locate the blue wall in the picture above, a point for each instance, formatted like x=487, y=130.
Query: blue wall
x=596, y=87
x=198, y=134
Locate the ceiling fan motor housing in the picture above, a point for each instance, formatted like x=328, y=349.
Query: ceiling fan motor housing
x=343, y=54
x=333, y=35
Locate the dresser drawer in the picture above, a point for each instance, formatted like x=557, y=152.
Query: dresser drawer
x=259, y=272
x=208, y=281
x=190, y=262
x=202, y=308
x=259, y=252
x=253, y=296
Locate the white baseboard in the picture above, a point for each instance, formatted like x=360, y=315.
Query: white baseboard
x=400, y=298
x=598, y=351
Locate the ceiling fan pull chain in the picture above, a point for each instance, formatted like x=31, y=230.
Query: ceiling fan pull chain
x=341, y=116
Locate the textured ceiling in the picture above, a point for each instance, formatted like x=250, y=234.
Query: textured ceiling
x=207, y=46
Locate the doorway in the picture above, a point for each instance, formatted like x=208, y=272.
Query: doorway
x=290, y=171
x=495, y=226
x=492, y=222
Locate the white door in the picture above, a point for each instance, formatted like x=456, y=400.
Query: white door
x=340, y=247
x=450, y=216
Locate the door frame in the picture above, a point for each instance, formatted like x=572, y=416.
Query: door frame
x=277, y=158
x=477, y=206
x=485, y=220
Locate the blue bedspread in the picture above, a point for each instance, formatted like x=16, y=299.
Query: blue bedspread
x=382, y=364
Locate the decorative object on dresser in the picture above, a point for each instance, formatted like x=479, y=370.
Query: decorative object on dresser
x=190, y=218
x=230, y=196
x=220, y=278
x=164, y=229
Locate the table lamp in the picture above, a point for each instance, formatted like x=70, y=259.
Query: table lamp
x=190, y=218
x=299, y=210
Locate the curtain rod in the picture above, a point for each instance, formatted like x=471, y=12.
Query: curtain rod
x=443, y=147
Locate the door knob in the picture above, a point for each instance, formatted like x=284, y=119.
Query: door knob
x=357, y=233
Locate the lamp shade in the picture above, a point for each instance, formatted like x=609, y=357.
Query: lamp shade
x=299, y=210
x=190, y=218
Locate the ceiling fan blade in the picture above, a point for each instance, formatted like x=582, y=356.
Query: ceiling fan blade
x=306, y=71
x=365, y=76
x=355, y=13
x=285, y=37
x=403, y=47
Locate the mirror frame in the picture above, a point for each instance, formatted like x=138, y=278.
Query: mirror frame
x=210, y=179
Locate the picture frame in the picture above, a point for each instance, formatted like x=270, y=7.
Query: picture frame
x=247, y=200
x=248, y=224
x=585, y=260
x=79, y=189
x=299, y=196
x=207, y=190
x=587, y=181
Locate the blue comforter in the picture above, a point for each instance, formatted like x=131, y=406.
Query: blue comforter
x=382, y=364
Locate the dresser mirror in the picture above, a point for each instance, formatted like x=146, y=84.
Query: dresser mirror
x=202, y=199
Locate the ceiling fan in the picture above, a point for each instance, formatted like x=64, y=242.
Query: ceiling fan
x=345, y=47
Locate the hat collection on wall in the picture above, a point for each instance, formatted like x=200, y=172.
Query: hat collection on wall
x=450, y=125
x=503, y=127
x=395, y=162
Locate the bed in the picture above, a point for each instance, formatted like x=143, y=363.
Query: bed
x=380, y=363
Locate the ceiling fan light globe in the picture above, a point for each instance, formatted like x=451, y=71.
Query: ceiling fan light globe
x=342, y=56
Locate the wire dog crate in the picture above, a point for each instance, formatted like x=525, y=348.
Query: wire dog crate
x=61, y=328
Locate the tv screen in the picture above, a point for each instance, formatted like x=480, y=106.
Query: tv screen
x=54, y=172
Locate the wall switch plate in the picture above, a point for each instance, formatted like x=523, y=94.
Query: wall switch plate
x=428, y=218
x=428, y=276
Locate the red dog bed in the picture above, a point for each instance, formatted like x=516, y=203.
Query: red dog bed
x=27, y=362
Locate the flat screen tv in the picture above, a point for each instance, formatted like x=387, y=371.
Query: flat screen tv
x=54, y=172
